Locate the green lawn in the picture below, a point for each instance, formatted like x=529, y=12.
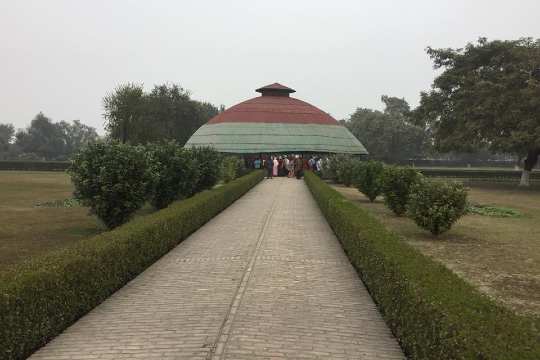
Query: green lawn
x=500, y=256
x=26, y=229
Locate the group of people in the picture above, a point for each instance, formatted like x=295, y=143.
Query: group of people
x=287, y=165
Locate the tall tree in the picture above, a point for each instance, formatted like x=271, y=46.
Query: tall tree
x=43, y=138
x=397, y=107
x=487, y=96
x=165, y=113
x=388, y=134
x=124, y=112
x=7, y=131
x=76, y=135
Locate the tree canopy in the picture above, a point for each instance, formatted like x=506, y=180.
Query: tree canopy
x=44, y=139
x=487, y=96
x=389, y=135
x=167, y=112
x=7, y=131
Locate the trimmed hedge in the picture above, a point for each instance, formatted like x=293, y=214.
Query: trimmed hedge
x=26, y=165
x=41, y=298
x=477, y=174
x=433, y=313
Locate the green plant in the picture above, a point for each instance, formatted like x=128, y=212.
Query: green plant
x=345, y=169
x=489, y=210
x=42, y=297
x=329, y=168
x=175, y=173
x=368, y=178
x=433, y=312
x=209, y=162
x=112, y=179
x=436, y=205
x=396, y=187
x=231, y=167
x=66, y=203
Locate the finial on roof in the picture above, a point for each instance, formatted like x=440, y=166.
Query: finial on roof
x=275, y=89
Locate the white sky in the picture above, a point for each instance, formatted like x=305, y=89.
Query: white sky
x=62, y=57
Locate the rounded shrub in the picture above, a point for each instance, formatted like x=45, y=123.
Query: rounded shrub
x=175, y=173
x=368, y=178
x=209, y=163
x=436, y=205
x=345, y=169
x=329, y=168
x=396, y=187
x=112, y=179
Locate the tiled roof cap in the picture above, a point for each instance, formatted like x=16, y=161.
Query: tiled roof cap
x=275, y=89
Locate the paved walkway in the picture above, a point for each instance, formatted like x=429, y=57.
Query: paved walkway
x=264, y=279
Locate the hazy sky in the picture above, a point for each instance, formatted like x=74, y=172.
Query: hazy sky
x=62, y=57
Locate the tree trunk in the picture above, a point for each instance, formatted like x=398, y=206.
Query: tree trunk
x=528, y=165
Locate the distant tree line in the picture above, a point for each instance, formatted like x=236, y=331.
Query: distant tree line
x=394, y=135
x=389, y=134
x=44, y=139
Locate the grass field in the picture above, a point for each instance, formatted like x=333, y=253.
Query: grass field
x=500, y=256
x=27, y=229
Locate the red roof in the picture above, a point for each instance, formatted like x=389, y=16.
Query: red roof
x=274, y=107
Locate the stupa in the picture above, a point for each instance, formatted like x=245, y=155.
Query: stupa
x=276, y=123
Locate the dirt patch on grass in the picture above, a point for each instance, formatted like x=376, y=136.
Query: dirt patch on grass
x=500, y=256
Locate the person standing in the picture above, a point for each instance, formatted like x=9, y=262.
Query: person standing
x=290, y=167
x=285, y=166
x=311, y=162
x=275, y=162
x=298, y=167
x=269, y=164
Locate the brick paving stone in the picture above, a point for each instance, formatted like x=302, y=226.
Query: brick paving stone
x=265, y=279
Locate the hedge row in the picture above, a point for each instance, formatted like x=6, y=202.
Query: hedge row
x=450, y=163
x=433, y=313
x=24, y=165
x=477, y=174
x=41, y=298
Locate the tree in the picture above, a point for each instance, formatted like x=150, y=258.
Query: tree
x=42, y=138
x=77, y=135
x=7, y=131
x=45, y=139
x=166, y=113
x=177, y=114
x=487, y=96
x=124, y=109
x=389, y=135
x=395, y=106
